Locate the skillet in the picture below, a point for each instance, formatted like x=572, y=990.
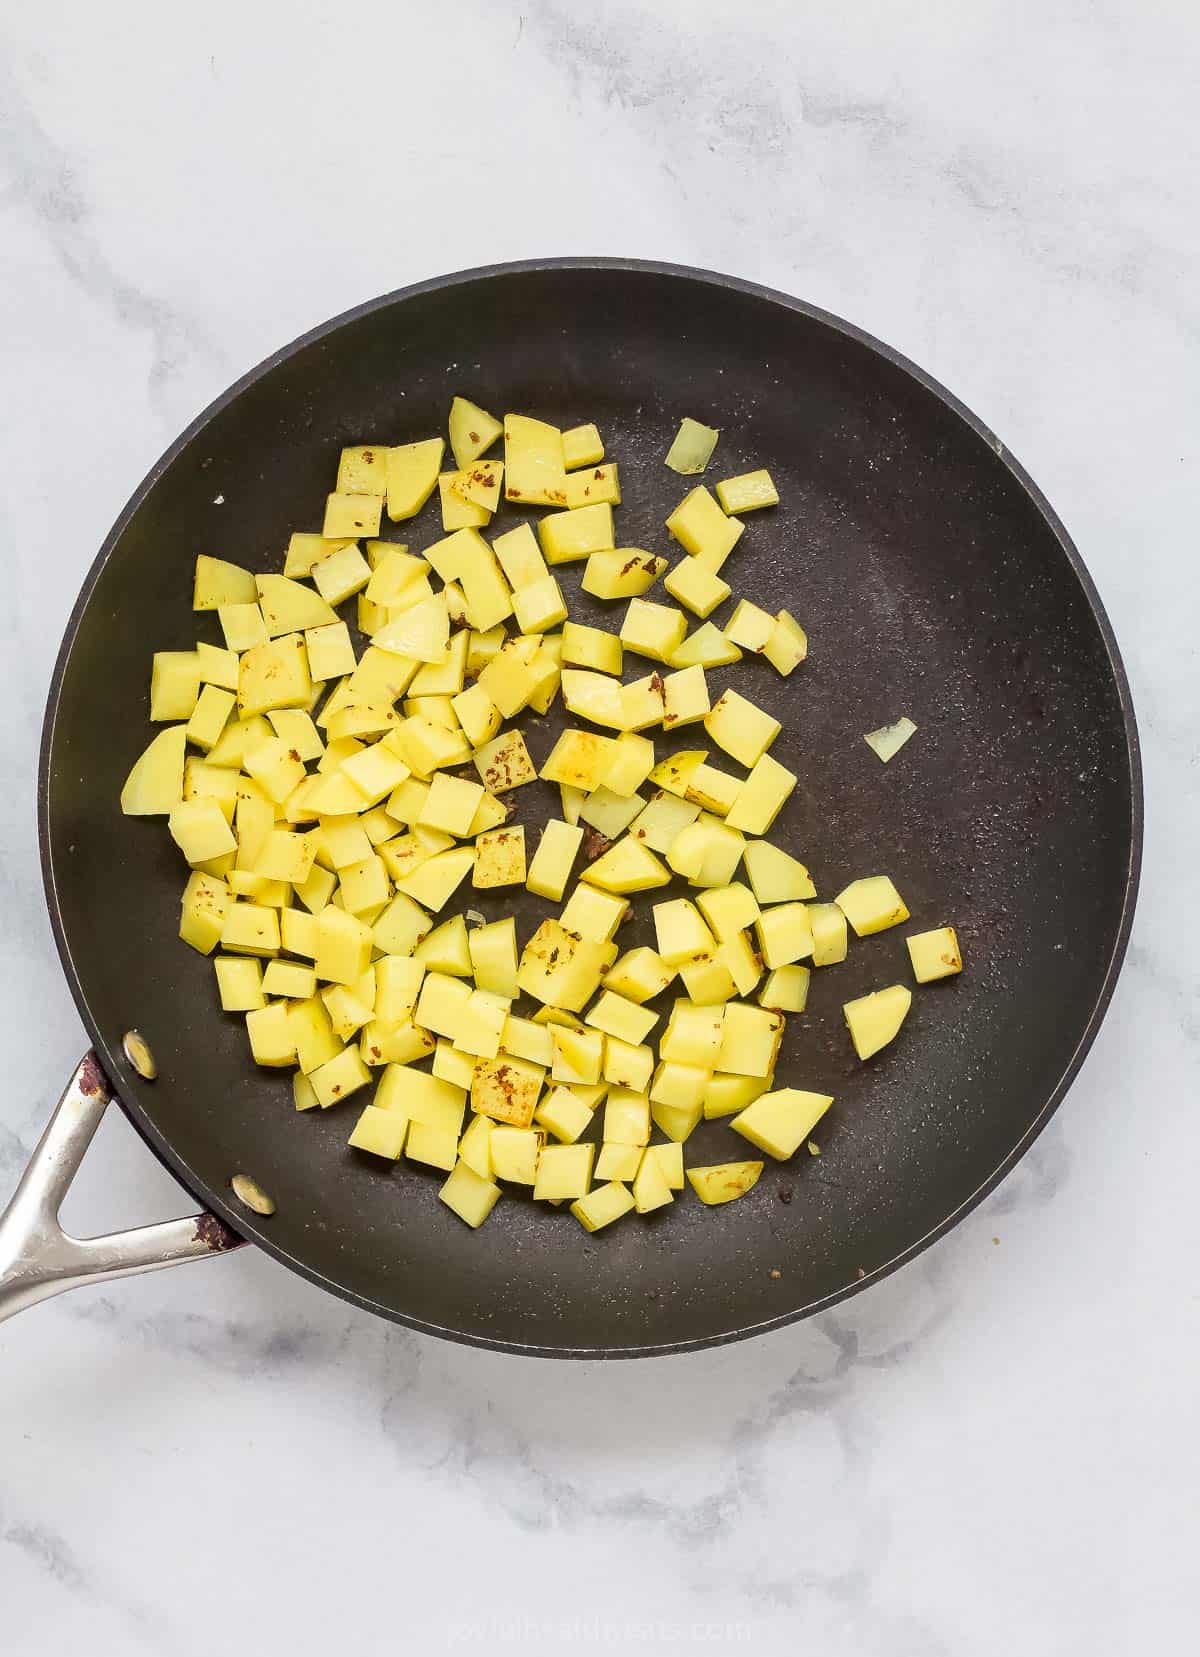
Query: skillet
x=934, y=580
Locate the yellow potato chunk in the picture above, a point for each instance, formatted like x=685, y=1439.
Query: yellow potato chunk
x=654, y=630
x=154, y=786
x=534, y=466
x=274, y=675
x=469, y=1194
x=514, y=1153
x=786, y=989
x=621, y=572
x=597, y=486
x=703, y=530
x=787, y=645
x=560, y=968
x=780, y=1122
x=603, y=1205
x=761, y=797
x=784, y=934
x=506, y=1089
x=650, y=1188
x=564, y=1173
x=829, y=934
x=382, y=1132
x=692, y=448
x=722, y=1182
x=740, y=728
x=680, y=931
x=412, y=473
x=500, y=857
x=217, y=582
x=472, y=431
x=871, y=905
x=748, y=492
x=572, y=535
x=726, y=1095
x=775, y=876
x=874, y=1020
x=582, y=446
x=697, y=588
x=934, y=954
x=706, y=647
x=269, y=1030
x=550, y=868
x=206, y=901
x=239, y=983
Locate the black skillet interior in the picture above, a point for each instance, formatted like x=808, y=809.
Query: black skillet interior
x=934, y=582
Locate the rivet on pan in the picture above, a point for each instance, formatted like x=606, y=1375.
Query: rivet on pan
x=252, y=1194
x=137, y=1051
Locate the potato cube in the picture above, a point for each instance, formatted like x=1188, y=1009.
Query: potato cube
x=441, y=1004
x=775, y=876
x=564, y=1173
x=539, y=606
x=250, y=929
x=593, y=696
x=209, y=716
x=239, y=983
x=693, y=1035
x=934, y=954
x=343, y=946
x=591, y=647
x=621, y=572
x=421, y=633
x=597, y=486
x=627, y=1118
x=217, y=582
x=697, y=588
x=451, y=804
x=680, y=1085
x=726, y=1095
x=748, y=492
x=285, y=856
x=271, y=1043
x=639, y=975
x=743, y=730
x=874, y=1020
x=436, y=880
x=713, y=790
x=761, y=797
x=446, y=949
x=628, y=866
x=631, y=762
x=312, y=1032
x=341, y=575
x=685, y=697
x=433, y=1143
x=750, y=627
x=274, y=675
x=365, y=887
x=449, y=1065
x=276, y=768
x=650, y=1188
x=787, y=645
x=205, y=904
x=828, y=925
x=582, y=446
x=680, y=931
x=780, y=1122
x=728, y=910
x=678, y=1122
x=627, y=1064
x=199, y=829
x=871, y=905
x=602, y=1206
x=526, y=1040
x=707, y=980
x=784, y=934
x=290, y=607
x=654, y=630
x=242, y=626
x=493, y=951
x=750, y=1038
x=561, y=968
x=500, y=857
x=480, y=1024
x=411, y=474
x=739, y=956
x=382, y=1132
x=692, y=448
x=569, y=536
x=723, y=1182
x=294, y=727
x=507, y=1089
x=593, y=914
x=174, y=684
x=550, y=868
x=472, y=431
x=887, y=741
x=290, y=980
x=579, y=759
x=479, y=483
x=674, y=773
x=706, y=647
x=702, y=529
x=563, y=1114
x=786, y=989
x=339, y=1077
x=514, y=1153
x=469, y=1194
x=618, y=1162
x=578, y=1055
x=533, y=459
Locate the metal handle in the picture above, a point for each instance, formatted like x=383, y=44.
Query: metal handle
x=39, y=1259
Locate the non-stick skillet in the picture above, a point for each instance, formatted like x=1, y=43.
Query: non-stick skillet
x=934, y=580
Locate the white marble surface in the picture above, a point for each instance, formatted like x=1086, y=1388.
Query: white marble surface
x=995, y=1451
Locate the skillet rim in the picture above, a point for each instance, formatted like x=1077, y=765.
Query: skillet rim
x=113, y=1060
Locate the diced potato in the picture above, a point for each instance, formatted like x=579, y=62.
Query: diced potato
x=703, y=530
x=871, y=905
x=289, y=979
x=436, y=880
x=699, y=589
x=533, y=458
x=507, y=1089
x=888, y=740
x=740, y=958
x=550, y=868
x=217, y=667
x=750, y=626
x=276, y=768
x=748, y=492
x=786, y=989
x=539, y=606
x=295, y=727
x=451, y=804
x=289, y=607
x=762, y=796
x=650, y=1188
x=728, y=910
x=639, y=975
x=593, y=696
x=678, y=1122
x=934, y=954
x=654, y=630
x=742, y=729
x=661, y=821
x=472, y=431
x=627, y=1065
x=306, y=551
x=446, y=949
x=680, y=931
x=382, y=1132
x=217, y=582
x=174, y=684
x=514, y=1153
x=274, y=675
x=750, y=1039
x=707, y=980
x=673, y=773
x=362, y=470
x=780, y=1122
x=829, y=934
x=412, y=474
x=250, y=929
x=618, y=1162
x=340, y=576
x=311, y=1030
x=874, y=1020
x=692, y=448
x=723, y=1182
x=616, y=1015
x=627, y=866
x=597, y=486
x=560, y=968
x=621, y=572
x=564, y=1173
x=154, y=786
x=269, y=1030
x=706, y=647
x=775, y=876
x=479, y=483
x=569, y=536
x=685, y=698
x=572, y=803
x=242, y=626
x=469, y=1195
x=500, y=857
x=593, y=914
x=603, y=1205
x=692, y=1035
x=343, y=946
x=458, y=512
x=239, y=983
x=579, y=758
x=564, y=1115
x=787, y=645
x=784, y=934
x=713, y=790
x=582, y=446
x=480, y=1024
x=725, y=1095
